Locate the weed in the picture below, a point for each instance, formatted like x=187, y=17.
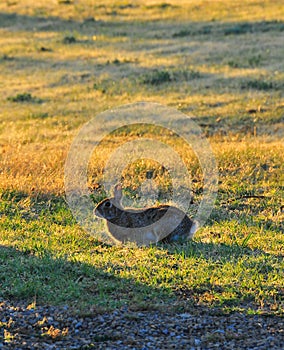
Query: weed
x=241, y=28
x=161, y=6
x=234, y=64
x=104, y=86
x=55, y=333
x=257, y=27
x=204, y=30
x=255, y=61
x=40, y=115
x=69, y=39
x=25, y=97
x=116, y=61
x=182, y=33
x=8, y=336
x=157, y=77
x=6, y=57
x=66, y=2
x=258, y=85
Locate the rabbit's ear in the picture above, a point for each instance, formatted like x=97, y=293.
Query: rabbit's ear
x=118, y=192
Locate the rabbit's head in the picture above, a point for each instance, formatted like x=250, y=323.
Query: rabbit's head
x=110, y=208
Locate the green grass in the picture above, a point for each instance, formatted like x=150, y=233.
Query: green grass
x=61, y=64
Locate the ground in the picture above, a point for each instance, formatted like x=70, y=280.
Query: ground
x=63, y=63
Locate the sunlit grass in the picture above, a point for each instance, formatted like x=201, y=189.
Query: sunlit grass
x=201, y=10
x=219, y=62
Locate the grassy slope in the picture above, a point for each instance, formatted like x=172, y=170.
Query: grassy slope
x=225, y=63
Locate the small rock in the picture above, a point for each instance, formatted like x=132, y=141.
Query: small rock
x=197, y=341
x=185, y=315
x=219, y=331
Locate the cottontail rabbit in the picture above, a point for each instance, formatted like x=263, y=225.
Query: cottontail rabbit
x=163, y=223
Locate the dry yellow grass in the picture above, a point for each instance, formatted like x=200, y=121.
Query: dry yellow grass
x=35, y=137
x=63, y=64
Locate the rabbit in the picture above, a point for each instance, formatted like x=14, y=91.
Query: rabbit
x=163, y=223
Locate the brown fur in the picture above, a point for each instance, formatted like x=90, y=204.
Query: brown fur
x=163, y=223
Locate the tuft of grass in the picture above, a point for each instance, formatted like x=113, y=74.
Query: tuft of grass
x=25, y=97
x=161, y=6
x=254, y=27
x=158, y=77
x=6, y=57
x=242, y=28
x=40, y=115
x=69, y=39
x=261, y=85
x=203, y=30
x=65, y=2
x=253, y=61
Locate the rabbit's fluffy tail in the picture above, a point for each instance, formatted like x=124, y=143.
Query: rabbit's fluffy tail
x=194, y=228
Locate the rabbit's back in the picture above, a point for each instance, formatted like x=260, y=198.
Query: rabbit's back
x=162, y=223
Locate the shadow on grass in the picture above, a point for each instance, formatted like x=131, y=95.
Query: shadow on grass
x=36, y=269
x=53, y=23
x=218, y=252
x=135, y=77
x=57, y=281
x=14, y=21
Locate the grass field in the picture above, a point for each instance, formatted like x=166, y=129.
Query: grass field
x=62, y=63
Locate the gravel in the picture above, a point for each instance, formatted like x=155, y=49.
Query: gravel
x=23, y=326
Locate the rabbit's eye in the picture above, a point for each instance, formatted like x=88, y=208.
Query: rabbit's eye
x=108, y=204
